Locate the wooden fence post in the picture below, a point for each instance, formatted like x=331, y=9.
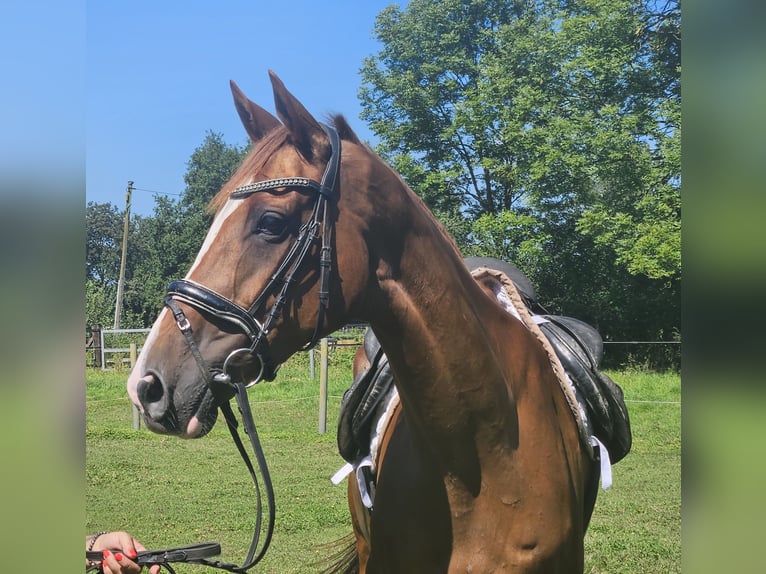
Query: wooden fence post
x=136, y=414
x=311, y=363
x=95, y=335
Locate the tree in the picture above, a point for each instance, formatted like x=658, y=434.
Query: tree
x=103, y=243
x=99, y=302
x=510, y=237
x=420, y=97
x=566, y=113
x=211, y=165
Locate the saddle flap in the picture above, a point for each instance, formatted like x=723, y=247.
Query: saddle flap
x=348, y=447
x=361, y=401
x=580, y=350
x=588, y=338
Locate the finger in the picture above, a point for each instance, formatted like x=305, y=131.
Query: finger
x=118, y=563
x=105, y=565
x=128, y=545
x=126, y=564
x=132, y=552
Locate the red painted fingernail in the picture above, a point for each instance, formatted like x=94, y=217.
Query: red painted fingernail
x=132, y=553
x=106, y=554
x=118, y=557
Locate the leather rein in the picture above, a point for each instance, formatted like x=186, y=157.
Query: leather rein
x=221, y=380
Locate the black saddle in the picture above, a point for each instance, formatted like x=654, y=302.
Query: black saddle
x=580, y=349
x=361, y=401
x=578, y=346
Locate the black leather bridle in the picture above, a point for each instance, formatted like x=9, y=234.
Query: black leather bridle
x=221, y=308
x=219, y=380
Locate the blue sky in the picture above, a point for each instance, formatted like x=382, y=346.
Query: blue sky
x=158, y=79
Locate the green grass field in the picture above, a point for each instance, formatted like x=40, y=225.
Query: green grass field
x=171, y=492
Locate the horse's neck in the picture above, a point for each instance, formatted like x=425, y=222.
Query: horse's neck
x=439, y=331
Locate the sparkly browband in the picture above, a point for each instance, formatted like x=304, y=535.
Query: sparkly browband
x=268, y=184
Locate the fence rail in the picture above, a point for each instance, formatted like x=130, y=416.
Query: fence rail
x=100, y=342
x=348, y=336
x=642, y=342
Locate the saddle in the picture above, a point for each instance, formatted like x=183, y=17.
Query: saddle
x=578, y=346
x=580, y=349
x=362, y=401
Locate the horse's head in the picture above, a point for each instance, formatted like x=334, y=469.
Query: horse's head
x=268, y=280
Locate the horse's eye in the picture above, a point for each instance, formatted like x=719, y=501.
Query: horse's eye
x=271, y=224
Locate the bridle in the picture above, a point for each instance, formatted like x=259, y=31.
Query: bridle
x=221, y=381
x=221, y=308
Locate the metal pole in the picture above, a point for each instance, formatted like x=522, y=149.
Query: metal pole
x=323, y=386
x=121, y=281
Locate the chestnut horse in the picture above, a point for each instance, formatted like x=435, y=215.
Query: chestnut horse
x=313, y=231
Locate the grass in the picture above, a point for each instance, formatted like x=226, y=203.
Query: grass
x=171, y=492
x=636, y=526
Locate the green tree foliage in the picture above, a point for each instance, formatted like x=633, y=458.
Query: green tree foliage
x=100, y=298
x=510, y=237
x=556, y=123
x=103, y=242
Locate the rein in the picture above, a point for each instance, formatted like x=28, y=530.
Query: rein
x=220, y=380
x=199, y=553
x=194, y=554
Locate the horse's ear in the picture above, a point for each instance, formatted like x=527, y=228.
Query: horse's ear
x=257, y=121
x=307, y=135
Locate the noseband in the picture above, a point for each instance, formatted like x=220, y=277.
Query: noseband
x=221, y=308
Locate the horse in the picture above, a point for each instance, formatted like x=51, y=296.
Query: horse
x=483, y=469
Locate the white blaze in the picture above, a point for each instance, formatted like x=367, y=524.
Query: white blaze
x=220, y=219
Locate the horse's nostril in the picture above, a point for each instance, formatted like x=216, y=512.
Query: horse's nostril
x=151, y=394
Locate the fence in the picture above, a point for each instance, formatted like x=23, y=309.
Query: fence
x=114, y=343
x=102, y=345
x=106, y=343
x=349, y=335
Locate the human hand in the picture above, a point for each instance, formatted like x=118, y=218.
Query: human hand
x=118, y=549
